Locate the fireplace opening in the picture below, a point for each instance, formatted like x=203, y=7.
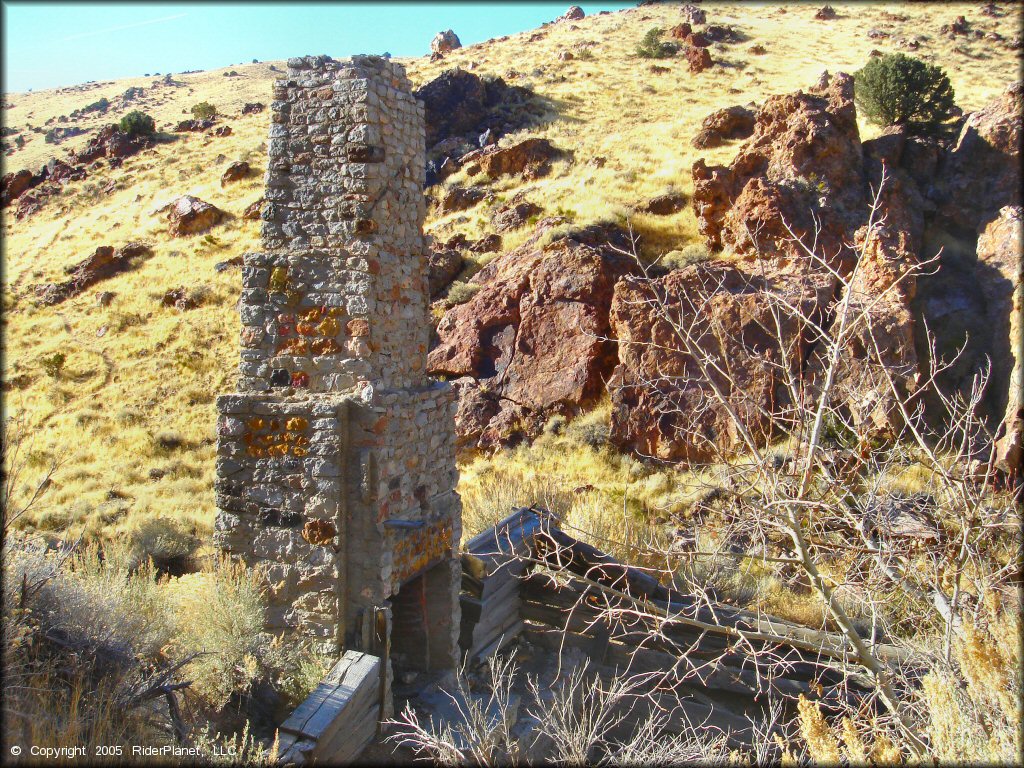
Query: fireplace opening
x=421, y=622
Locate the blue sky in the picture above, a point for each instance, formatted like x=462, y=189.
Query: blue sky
x=51, y=44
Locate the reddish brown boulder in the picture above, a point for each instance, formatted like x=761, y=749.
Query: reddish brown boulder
x=735, y=122
x=530, y=158
x=699, y=59
x=235, y=172
x=802, y=165
x=532, y=334
x=460, y=198
x=189, y=215
x=253, y=210
x=663, y=396
x=664, y=205
x=15, y=184
x=514, y=215
x=104, y=263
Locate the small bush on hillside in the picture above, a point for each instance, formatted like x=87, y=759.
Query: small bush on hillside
x=653, y=47
x=137, y=123
x=897, y=89
x=460, y=293
x=54, y=364
x=694, y=253
x=204, y=110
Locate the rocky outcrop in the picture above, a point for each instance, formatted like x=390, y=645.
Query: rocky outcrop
x=104, y=263
x=112, y=144
x=735, y=122
x=460, y=105
x=802, y=161
x=982, y=172
x=193, y=126
x=531, y=339
x=444, y=43
x=1000, y=253
x=574, y=13
x=664, y=403
x=188, y=215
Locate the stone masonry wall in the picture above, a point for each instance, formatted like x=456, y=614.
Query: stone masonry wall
x=336, y=457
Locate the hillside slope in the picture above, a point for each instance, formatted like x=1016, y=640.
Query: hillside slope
x=131, y=407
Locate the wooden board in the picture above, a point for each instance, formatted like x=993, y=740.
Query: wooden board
x=339, y=718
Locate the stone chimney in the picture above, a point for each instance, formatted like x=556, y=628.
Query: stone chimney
x=336, y=457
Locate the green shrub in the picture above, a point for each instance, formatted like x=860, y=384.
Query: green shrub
x=204, y=110
x=460, y=293
x=137, y=123
x=900, y=90
x=653, y=47
x=54, y=364
x=694, y=253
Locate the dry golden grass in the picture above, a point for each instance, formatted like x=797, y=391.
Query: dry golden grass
x=133, y=407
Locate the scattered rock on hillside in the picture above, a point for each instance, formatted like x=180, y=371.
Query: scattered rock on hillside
x=104, y=298
x=15, y=184
x=223, y=266
x=253, y=108
x=722, y=33
x=825, y=13
x=252, y=210
x=235, y=172
x=514, y=215
x=222, y=131
x=575, y=13
x=188, y=215
x=699, y=59
x=530, y=158
x=664, y=205
x=684, y=33
x=460, y=198
x=757, y=50
x=193, y=126
x=1000, y=255
x=735, y=122
x=958, y=27
x=693, y=14
x=443, y=267
x=180, y=299
x=105, y=262
x=444, y=43
x=530, y=335
x=487, y=244
x=113, y=144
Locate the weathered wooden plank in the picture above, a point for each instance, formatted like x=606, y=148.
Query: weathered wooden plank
x=505, y=637
x=347, y=744
x=354, y=678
